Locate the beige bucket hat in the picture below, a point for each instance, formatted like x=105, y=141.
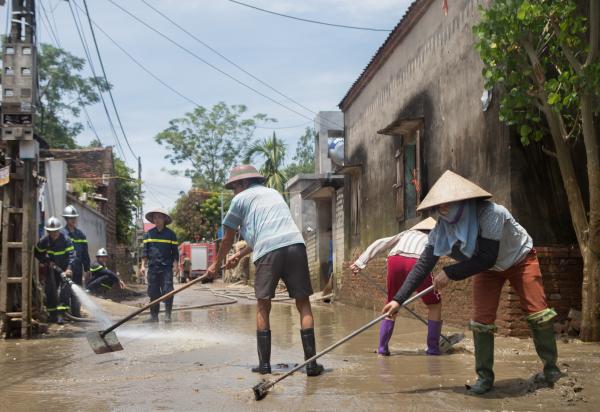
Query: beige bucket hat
x=426, y=224
x=243, y=172
x=451, y=187
x=150, y=215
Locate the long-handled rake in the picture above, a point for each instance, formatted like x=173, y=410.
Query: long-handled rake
x=261, y=390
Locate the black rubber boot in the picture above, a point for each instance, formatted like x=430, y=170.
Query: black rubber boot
x=168, y=310
x=545, y=346
x=484, y=362
x=153, y=314
x=263, y=344
x=75, y=306
x=310, y=350
x=154, y=309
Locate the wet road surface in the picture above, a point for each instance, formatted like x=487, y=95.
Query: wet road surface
x=202, y=362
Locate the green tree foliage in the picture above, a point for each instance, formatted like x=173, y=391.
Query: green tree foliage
x=127, y=200
x=272, y=151
x=210, y=141
x=198, y=213
x=211, y=212
x=544, y=57
x=63, y=91
x=304, y=159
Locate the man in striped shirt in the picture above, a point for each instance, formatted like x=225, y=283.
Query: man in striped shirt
x=56, y=253
x=81, y=264
x=406, y=247
x=159, y=257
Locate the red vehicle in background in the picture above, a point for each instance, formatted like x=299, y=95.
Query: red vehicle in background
x=200, y=256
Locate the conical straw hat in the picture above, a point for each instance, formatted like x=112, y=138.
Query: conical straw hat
x=451, y=187
x=150, y=215
x=427, y=224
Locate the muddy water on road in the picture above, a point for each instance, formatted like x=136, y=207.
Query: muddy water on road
x=202, y=361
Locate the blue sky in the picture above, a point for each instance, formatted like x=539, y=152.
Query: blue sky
x=313, y=64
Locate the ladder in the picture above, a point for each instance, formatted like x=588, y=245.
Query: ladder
x=18, y=234
x=20, y=149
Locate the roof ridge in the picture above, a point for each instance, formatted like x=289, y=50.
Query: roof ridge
x=413, y=14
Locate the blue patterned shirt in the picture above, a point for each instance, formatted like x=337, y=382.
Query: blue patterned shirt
x=264, y=220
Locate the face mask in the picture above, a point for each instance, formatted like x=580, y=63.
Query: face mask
x=455, y=210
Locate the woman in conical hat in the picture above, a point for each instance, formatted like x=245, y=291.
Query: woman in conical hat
x=490, y=245
x=406, y=247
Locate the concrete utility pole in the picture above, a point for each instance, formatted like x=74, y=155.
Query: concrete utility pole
x=20, y=151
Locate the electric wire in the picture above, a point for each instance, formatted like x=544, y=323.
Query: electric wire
x=165, y=84
x=54, y=34
x=284, y=127
x=212, y=66
x=87, y=12
x=190, y=34
x=141, y=66
x=343, y=26
x=90, y=62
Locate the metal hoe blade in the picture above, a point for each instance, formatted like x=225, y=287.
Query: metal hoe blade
x=108, y=343
x=260, y=390
x=446, y=345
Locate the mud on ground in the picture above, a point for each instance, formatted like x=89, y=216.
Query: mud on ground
x=202, y=362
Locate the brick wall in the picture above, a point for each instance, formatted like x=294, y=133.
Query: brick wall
x=95, y=164
x=124, y=263
x=562, y=274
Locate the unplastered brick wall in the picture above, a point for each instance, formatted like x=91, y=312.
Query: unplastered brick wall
x=562, y=273
x=562, y=276
x=124, y=263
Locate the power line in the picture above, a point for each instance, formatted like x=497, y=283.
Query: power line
x=212, y=66
x=140, y=65
x=54, y=34
x=90, y=62
x=173, y=22
x=308, y=20
x=87, y=12
x=49, y=25
x=284, y=127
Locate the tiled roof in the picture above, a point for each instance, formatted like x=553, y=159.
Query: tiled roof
x=86, y=163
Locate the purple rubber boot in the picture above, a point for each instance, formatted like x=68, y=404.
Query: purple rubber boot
x=434, y=330
x=385, y=334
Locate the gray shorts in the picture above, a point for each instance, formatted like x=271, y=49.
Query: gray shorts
x=289, y=264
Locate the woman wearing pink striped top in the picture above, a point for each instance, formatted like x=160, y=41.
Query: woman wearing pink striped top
x=406, y=247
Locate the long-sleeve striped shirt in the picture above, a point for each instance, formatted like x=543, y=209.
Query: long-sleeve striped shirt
x=409, y=243
x=60, y=251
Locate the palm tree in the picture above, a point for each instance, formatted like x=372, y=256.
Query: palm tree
x=272, y=150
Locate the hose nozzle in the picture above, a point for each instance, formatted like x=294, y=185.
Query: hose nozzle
x=66, y=279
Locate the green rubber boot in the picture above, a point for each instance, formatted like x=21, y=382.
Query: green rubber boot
x=484, y=362
x=545, y=344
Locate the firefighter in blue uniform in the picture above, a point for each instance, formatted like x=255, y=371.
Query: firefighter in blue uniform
x=56, y=252
x=159, y=259
x=102, y=279
x=82, y=256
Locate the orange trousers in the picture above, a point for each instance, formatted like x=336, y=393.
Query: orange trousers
x=526, y=279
